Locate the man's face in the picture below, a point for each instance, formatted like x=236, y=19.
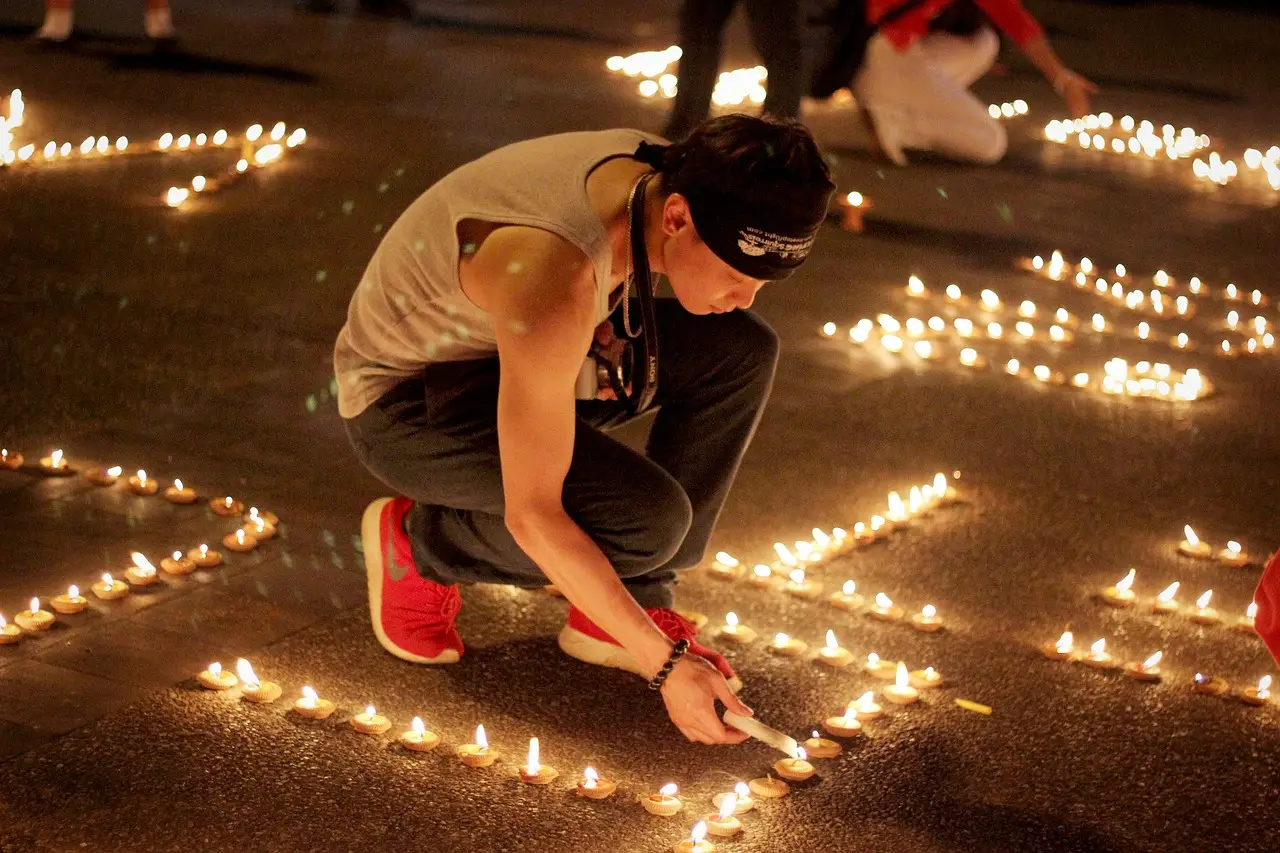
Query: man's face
x=702, y=282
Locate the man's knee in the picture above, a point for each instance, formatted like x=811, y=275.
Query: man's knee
x=661, y=521
x=990, y=148
x=755, y=342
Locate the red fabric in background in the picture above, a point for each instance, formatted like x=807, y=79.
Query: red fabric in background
x=1267, y=622
x=1009, y=15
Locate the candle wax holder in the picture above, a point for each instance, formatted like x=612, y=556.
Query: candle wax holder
x=1099, y=661
x=929, y=625
x=1052, y=652
x=1247, y=625
x=769, y=787
x=181, y=566
x=1235, y=559
x=742, y=805
x=145, y=489
x=807, y=590
x=9, y=634
x=1209, y=685
x=603, y=789
x=1205, y=616
x=923, y=679
x=100, y=477
x=885, y=614
x=691, y=846
x=222, y=508
x=12, y=461
x=842, y=726
x=319, y=709
x=1137, y=671
x=68, y=605
x=722, y=827
x=266, y=515
x=868, y=712
x=820, y=747
x=183, y=496
x=838, y=657
x=1164, y=608
x=137, y=577
x=719, y=571
x=884, y=669
x=232, y=543
x=268, y=531
x=223, y=680
x=900, y=695
x=34, y=621
x=1199, y=551
x=792, y=648
x=369, y=725
x=262, y=692
x=62, y=469
x=1250, y=696
x=206, y=560
x=849, y=603
x=794, y=769
x=423, y=741
x=740, y=634
x=474, y=755
x=117, y=589
x=544, y=775
x=661, y=805
x=761, y=581
x=1117, y=597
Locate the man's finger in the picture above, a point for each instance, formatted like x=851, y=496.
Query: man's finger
x=731, y=700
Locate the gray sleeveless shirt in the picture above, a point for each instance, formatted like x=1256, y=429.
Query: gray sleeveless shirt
x=409, y=309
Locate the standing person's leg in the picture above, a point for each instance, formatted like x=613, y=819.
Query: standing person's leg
x=59, y=20
x=914, y=105
x=963, y=59
x=157, y=21
x=775, y=30
x=701, y=37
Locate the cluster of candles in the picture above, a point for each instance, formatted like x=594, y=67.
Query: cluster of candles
x=257, y=149
x=1148, y=670
x=653, y=68
x=1102, y=132
x=1267, y=164
x=1166, y=602
x=1008, y=109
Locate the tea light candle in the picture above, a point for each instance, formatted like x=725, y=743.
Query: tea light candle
x=927, y=620
x=70, y=602
x=853, y=207
x=1167, y=600
x=1148, y=670
x=1098, y=657
x=257, y=691
x=863, y=535
x=698, y=620
x=204, y=558
x=901, y=692
x=879, y=668
x=734, y=632
x=9, y=634
x=925, y=679
x=266, y=515
x=1062, y=649
x=725, y=567
x=1250, y=614
x=369, y=721
x=176, y=564
x=140, y=484
x=419, y=738
x=742, y=799
x=311, y=706
x=478, y=754
x=846, y=725
x=885, y=610
x=723, y=823
x=226, y=506
x=141, y=573
x=54, y=465
x=1209, y=685
x=697, y=841
x=1257, y=696
x=214, y=678
x=533, y=772
x=104, y=477
x=1120, y=595
x=820, y=747
x=796, y=768
x=1191, y=546
x=665, y=803
x=832, y=654
x=787, y=646
x=1232, y=555
x=33, y=618
x=10, y=459
x=769, y=788
x=847, y=598
x=260, y=529
x=799, y=587
x=239, y=541
x=1204, y=614
x=761, y=576
x=593, y=787
x=180, y=494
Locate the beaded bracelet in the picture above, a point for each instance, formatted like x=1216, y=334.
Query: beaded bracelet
x=677, y=652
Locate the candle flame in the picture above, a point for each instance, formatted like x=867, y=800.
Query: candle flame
x=883, y=601
x=73, y=591
x=839, y=534
x=246, y=673
x=115, y=471
x=1126, y=582
x=727, y=805
x=240, y=537
x=831, y=640
x=34, y=605
x=142, y=477
x=929, y=611
x=1099, y=648
x=849, y=587
x=873, y=660
x=370, y=711
x=731, y=619
x=177, y=556
x=914, y=499
x=1203, y=601
x=107, y=579
x=820, y=538
x=903, y=678
x=797, y=577
x=417, y=726
x=1153, y=661
x=1264, y=687
x=801, y=755
x=1251, y=611
x=1065, y=643
x=309, y=695
x=783, y=554
x=177, y=485
x=897, y=508
x=532, y=765
x=215, y=669
x=481, y=740
x=56, y=458
x=742, y=791
x=722, y=557
x=261, y=525
x=668, y=790
x=939, y=484
x=1192, y=539
x=781, y=640
x=877, y=521
x=1167, y=594
x=762, y=571
x=229, y=502
x=204, y=549
x=698, y=833
x=1233, y=547
x=866, y=701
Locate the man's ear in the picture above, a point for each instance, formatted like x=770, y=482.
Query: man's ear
x=675, y=214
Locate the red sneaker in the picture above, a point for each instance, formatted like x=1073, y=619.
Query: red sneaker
x=582, y=639
x=412, y=616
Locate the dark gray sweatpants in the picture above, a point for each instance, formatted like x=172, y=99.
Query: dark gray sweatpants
x=434, y=438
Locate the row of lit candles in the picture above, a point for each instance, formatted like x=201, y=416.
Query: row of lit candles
x=1058, y=268
x=733, y=88
x=252, y=155
x=1122, y=595
x=1008, y=109
x=1149, y=670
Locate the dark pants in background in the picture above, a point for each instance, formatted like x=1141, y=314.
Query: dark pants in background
x=775, y=31
x=434, y=438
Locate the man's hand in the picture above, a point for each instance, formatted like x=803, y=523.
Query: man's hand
x=691, y=691
x=1075, y=90
x=605, y=337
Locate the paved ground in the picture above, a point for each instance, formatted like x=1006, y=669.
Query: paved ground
x=196, y=344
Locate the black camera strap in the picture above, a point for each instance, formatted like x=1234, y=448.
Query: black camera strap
x=647, y=388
